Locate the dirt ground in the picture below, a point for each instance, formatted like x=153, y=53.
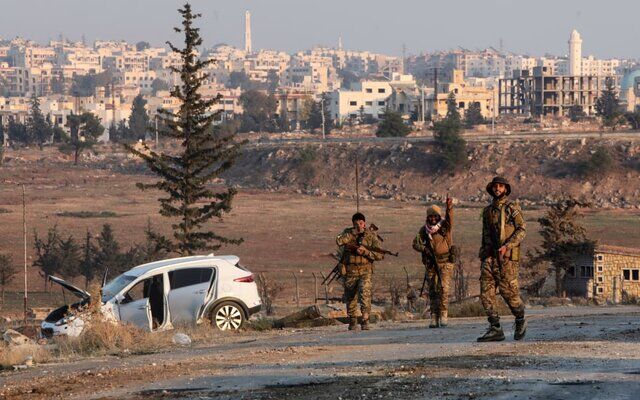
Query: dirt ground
x=569, y=352
x=284, y=232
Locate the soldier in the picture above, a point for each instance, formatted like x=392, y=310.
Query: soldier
x=503, y=229
x=434, y=241
x=358, y=261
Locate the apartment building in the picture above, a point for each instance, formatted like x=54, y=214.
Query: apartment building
x=368, y=97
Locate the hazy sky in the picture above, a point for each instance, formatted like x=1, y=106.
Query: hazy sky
x=609, y=28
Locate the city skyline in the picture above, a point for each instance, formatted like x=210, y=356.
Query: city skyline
x=290, y=26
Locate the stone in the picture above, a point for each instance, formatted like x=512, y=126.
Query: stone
x=15, y=338
x=182, y=339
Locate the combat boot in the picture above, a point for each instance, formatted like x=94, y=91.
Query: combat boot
x=444, y=319
x=353, y=324
x=493, y=334
x=365, y=325
x=434, y=321
x=520, y=329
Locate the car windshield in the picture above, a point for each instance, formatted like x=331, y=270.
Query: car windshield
x=115, y=286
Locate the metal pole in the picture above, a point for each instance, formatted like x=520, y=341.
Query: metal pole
x=315, y=288
x=422, y=105
x=295, y=277
x=156, y=128
x=326, y=289
x=357, y=184
x=24, y=237
x=493, y=114
x=322, y=112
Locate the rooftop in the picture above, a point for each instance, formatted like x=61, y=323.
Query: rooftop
x=618, y=250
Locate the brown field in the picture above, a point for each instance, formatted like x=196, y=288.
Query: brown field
x=283, y=232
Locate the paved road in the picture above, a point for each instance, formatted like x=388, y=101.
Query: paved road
x=469, y=137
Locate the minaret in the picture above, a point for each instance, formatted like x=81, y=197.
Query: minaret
x=575, y=54
x=340, y=42
x=247, y=32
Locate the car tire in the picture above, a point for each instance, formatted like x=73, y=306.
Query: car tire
x=227, y=316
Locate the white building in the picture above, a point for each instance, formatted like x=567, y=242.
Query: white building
x=367, y=97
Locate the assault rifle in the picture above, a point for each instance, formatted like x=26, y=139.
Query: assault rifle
x=353, y=247
x=432, y=256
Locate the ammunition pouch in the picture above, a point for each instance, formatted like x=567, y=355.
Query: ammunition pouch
x=514, y=254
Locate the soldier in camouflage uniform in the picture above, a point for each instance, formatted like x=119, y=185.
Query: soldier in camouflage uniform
x=503, y=229
x=434, y=241
x=358, y=268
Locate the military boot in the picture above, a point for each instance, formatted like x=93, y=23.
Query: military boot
x=520, y=329
x=444, y=319
x=493, y=334
x=365, y=325
x=434, y=321
x=353, y=324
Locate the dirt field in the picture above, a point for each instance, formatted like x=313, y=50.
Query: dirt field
x=284, y=232
x=569, y=353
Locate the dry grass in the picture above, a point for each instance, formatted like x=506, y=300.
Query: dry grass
x=473, y=308
x=15, y=355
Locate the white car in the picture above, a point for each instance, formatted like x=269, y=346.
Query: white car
x=162, y=294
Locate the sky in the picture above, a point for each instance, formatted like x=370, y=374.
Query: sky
x=535, y=27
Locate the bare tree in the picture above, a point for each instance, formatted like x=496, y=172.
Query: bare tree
x=268, y=290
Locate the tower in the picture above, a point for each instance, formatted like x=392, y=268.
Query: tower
x=247, y=32
x=575, y=54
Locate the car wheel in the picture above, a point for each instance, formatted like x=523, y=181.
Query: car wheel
x=227, y=316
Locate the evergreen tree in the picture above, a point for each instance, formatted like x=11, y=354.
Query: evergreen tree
x=58, y=134
x=315, y=115
x=69, y=256
x=392, y=125
x=88, y=262
x=85, y=130
x=7, y=272
x=38, y=127
x=259, y=110
x=576, y=113
x=157, y=85
x=608, y=105
x=473, y=116
x=108, y=255
x=205, y=155
x=47, y=254
x=18, y=133
x=563, y=238
x=139, y=119
x=452, y=147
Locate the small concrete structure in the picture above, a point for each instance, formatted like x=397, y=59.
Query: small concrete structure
x=609, y=275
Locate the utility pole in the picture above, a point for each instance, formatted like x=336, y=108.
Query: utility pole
x=435, y=92
x=493, y=113
x=357, y=184
x=156, y=128
x=323, y=121
x=24, y=237
x=422, y=105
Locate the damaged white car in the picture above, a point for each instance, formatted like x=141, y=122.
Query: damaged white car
x=162, y=294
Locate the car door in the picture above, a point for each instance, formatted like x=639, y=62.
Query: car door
x=134, y=306
x=188, y=290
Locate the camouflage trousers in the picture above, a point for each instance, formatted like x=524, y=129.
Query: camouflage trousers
x=357, y=290
x=439, y=278
x=504, y=278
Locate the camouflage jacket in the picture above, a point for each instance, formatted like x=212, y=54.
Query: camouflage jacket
x=502, y=225
x=441, y=241
x=370, y=240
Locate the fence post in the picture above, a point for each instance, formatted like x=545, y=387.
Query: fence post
x=326, y=290
x=315, y=288
x=295, y=277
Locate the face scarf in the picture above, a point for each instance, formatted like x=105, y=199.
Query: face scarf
x=432, y=229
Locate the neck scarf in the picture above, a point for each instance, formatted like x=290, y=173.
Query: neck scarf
x=432, y=229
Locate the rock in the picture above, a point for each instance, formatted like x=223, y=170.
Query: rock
x=15, y=338
x=182, y=339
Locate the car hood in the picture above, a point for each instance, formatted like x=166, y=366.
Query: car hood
x=73, y=289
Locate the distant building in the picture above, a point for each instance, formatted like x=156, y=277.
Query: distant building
x=367, y=99
x=608, y=275
x=575, y=54
x=545, y=93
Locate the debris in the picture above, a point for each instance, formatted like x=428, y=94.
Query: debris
x=182, y=339
x=15, y=338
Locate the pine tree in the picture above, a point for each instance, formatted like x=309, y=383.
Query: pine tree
x=139, y=119
x=108, y=255
x=7, y=272
x=206, y=154
x=47, y=254
x=38, y=128
x=563, y=237
x=85, y=130
x=608, y=105
x=473, y=116
x=452, y=147
x=69, y=255
x=392, y=125
x=88, y=262
x=315, y=115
